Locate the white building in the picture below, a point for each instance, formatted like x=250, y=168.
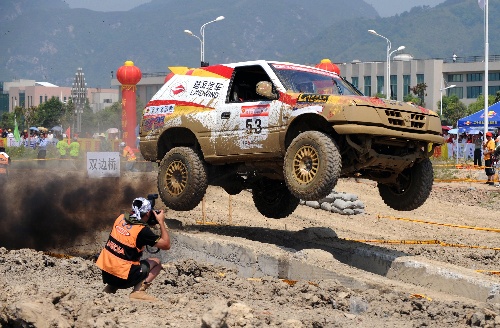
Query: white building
x=466, y=73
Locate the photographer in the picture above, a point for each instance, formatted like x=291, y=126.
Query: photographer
x=120, y=259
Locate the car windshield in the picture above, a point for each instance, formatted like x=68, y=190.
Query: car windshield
x=310, y=80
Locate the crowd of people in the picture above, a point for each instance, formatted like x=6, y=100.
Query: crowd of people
x=487, y=149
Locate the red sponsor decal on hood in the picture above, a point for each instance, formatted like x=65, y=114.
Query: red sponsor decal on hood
x=178, y=89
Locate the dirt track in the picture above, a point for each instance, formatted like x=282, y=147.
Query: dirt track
x=66, y=292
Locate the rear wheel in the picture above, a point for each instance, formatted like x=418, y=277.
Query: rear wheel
x=312, y=165
x=182, y=179
x=412, y=189
x=273, y=199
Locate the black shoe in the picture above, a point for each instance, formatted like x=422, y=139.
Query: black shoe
x=491, y=183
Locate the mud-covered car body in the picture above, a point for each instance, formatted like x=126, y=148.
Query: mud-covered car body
x=242, y=134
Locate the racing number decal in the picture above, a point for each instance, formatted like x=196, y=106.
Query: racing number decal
x=254, y=125
x=254, y=121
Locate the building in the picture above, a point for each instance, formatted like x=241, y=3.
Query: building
x=466, y=73
x=30, y=93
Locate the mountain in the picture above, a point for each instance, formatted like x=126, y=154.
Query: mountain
x=48, y=41
x=455, y=26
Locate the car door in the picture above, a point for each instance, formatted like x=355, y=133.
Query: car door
x=247, y=121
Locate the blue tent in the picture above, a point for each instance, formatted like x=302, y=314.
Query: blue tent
x=477, y=119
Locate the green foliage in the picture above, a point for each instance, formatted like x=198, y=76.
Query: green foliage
x=479, y=103
x=419, y=91
x=109, y=117
x=411, y=98
x=49, y=113
x=453, y=109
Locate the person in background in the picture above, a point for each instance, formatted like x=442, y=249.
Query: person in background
x=42, y=150
x=488, y=150
x=104, y=144
x=478, y=144
x=120, y=260
x=62, y=146
x=4, y=164
x=129, y=154
x=10, y=134
x=74, y=148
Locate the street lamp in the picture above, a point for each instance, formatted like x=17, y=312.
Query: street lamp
x=202, y=39
x=388, y=70
x=441, y=91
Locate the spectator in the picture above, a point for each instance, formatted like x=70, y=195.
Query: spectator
x=104, y=144
x=62, y=146
x=74, y=148
x=10, y=134
x=489, y=149
x=478, y=143
x=4, y=133
x=129, y=154
x=42, y=150
x=4, y=164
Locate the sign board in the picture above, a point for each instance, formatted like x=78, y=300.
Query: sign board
x=103, y=164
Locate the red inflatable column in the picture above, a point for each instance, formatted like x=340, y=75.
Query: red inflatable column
x=129, y=75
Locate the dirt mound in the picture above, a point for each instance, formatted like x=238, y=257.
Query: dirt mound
x=67, y=292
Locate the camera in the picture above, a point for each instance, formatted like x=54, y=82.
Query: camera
x=152, y=219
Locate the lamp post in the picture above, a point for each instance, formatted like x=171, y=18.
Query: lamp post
x=388, y=70
x=202, y=39
x=441, y=102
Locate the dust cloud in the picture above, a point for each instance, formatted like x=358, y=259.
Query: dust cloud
x=43, y=210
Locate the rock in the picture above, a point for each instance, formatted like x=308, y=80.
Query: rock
x=36, y=314
x=313, y=204
x=239, y=315
x=292, y=323
x=216, y=316
x=477, y=319
x=357, y=305
x=326, y=207
x=348, y=211
x=341, y=204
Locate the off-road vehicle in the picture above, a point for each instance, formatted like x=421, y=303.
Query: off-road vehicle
x=286, y=132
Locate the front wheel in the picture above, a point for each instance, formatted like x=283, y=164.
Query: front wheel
x=312, y=165
x=412, y=188
x=182, y=179
x=273, y=199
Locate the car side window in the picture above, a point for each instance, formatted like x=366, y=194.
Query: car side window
x=245, y=79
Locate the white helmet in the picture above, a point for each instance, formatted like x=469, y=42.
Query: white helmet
x=122, y=144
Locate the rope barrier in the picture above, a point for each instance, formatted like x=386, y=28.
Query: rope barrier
x=439, y=224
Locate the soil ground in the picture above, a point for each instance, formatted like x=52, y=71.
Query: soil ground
x=64, y=213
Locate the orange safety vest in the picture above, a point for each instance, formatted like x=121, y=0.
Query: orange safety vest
x=120, y=251
x=4, y=162
x=129, y=153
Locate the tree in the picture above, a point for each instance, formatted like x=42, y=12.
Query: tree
x=419, y=91
x=479, y=103
x=110, y=117
x=49, y=113
x=411, y=98
x=453, y=109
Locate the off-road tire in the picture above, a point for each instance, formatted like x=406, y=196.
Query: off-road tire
x=182, y=179
x=413, y=189
x=312, y=165
x=273, y=199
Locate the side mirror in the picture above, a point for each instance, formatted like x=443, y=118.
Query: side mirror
x=265, y=89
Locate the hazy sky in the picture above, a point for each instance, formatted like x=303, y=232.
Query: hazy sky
x=384, y=7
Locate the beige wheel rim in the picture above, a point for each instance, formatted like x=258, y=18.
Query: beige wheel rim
x=305, y=164
x=176, y=178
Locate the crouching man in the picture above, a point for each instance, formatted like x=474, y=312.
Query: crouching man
x=120, y=259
